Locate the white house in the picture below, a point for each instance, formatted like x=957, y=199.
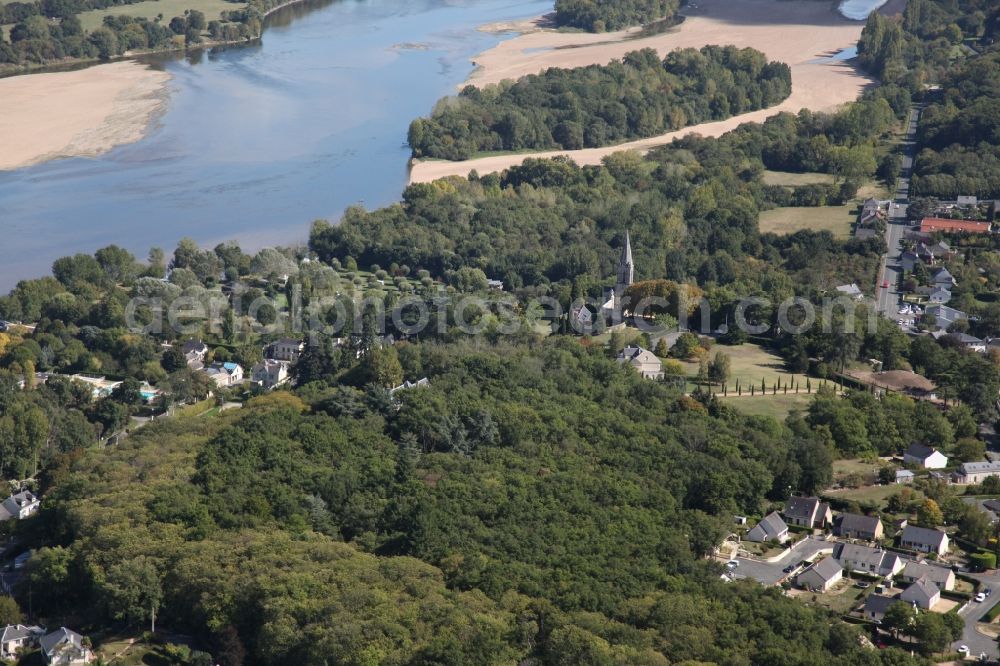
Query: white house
x=924, y=540
x=19, y=506
x=225, y=374
x=925, y=456
x=852, y=290
x=644, y=361
x=16, y=637
x=270, y=373
x=864, y=559
x=194, y=354
x=65, y=647
x=922, y=593
x=904, y=476
x=770, y=528
x=807, y=512
x=286, y=349
x=821, y=576
x=938, y=574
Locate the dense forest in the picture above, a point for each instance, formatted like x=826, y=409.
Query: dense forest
x=639, y=96
x=483, y=519
x=602, y=15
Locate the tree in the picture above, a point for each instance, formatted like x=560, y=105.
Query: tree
x=898, y=618
x=106, y=43
x=133, y=591
x=932, y=632
x=685, y=345
x=10, y=612
x=929, y=514
x=718, y=371
x=975, y=526
x=969, y=449
x=382, y=367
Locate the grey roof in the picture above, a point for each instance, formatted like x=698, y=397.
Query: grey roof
x=194, y=346
x=13, y=632
x=980, y=466
x=850, y=289
x=933, y=572
x=865, y=555
x=827, y=568
x=945, y=313
x=49, y=642
x=919, y=451
x=857, y=523
x=922, y=589
x=879, y=603
x=923, y=535
x=904, y=473
x=967, y=339
x=801, y=507
x=772, y=525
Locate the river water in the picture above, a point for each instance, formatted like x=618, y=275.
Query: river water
x=258, y=141
x=859, y=9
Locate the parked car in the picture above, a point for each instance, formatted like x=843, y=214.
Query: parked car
x=980, y=597
x=885, y=284
x=789, y=569
x=963, y=650
x=987, y=592
x=864, y=585
x=732, y=564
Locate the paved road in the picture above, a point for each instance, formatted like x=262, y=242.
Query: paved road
x=770, y=573
x=976, y=642
x=888, y=299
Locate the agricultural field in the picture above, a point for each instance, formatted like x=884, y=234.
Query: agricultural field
x=835, y=219
x=153, y=8
x=790, y=179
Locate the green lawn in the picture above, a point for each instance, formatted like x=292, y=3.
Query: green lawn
x=776, y=406
x=790, y=179
x=835, y=219
x=153, y=8
x=749, y=363
x=869, y=493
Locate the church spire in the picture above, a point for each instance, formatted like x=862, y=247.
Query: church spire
x=626, y=269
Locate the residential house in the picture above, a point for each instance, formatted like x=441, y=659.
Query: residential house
x=938, y=296
x=904, y=476
x=924, y=540
x=852, y=290
x=807, y=512
x=938, y=574
x=864, y=559
x=19, y=506
x=933, y=252
x=922, y=594
x=770, y=528
x=65, y=647
x=942, y=277
x=967, y=200
x=930, y=225
x=195, y=352
x=16, y=637
x=495, y=284
x=286, y=349
x=925, y=457
x=976, y=472
x=420, y=383
x=970, y=342
x=270, y=373
x=225, y=374
x=821, y=576
x=871, y=212
x=856, y=526
x=876, y=605
x=908, y=261
x=944, y=315
x=644, y=361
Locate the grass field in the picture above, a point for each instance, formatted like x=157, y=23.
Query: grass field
x=789, y=179
x=153, y=8
x=869, y=493
x=835, y=219
x=776, y=406
x=749, y=363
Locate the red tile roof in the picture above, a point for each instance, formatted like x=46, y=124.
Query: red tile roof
x=932, y=224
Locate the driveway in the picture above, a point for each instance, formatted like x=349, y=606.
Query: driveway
x=770, y=573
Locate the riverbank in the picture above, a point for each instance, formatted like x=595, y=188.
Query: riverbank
x=77, y=114
x=800, y=33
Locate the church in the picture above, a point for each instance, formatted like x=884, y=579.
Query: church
x=613, y=296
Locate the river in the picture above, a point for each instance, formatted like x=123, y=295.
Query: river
x=859, y=10
x=258, y=141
